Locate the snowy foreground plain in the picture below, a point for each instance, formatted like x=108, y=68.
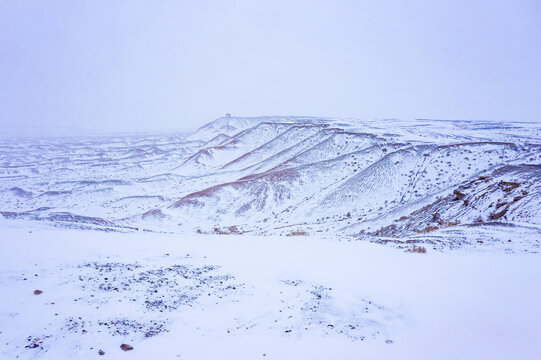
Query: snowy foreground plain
x=274, y=237
x=249, y=297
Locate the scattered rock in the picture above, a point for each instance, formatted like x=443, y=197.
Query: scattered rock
x=37, y=292
x=507, y=186
x=126, y=347
x=101, y=352
x=499, y=214
x=458, y=195
x=34, y=343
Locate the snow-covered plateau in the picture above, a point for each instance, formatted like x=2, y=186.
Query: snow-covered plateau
x=274, y=237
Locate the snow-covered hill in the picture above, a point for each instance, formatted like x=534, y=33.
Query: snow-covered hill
x=280, y=175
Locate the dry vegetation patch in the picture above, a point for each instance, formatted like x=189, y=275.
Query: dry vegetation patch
x=416, y=249
x=298, y=232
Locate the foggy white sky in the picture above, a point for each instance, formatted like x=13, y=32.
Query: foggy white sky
x=174, y=65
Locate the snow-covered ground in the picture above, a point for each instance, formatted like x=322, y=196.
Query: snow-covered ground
x=225, y=296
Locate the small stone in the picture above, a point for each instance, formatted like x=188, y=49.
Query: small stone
x=126, y=347
x=389, y=341
x=101, y=352
x=37, y=292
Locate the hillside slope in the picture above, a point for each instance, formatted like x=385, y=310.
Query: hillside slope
x=278, y=175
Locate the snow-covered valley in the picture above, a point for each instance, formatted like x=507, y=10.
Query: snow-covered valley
x=274, y=237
